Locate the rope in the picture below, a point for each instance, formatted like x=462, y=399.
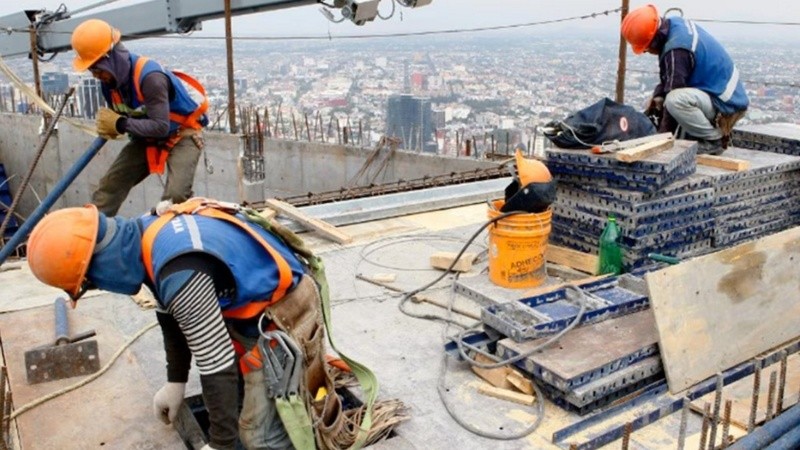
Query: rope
x=28, y=406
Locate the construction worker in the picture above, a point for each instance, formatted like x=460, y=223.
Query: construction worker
x=213, y=273
x=700, y=91
x=148, y=103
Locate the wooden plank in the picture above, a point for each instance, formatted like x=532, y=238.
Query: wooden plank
x=505, y=394
x=718, y=310
x=741, y=393
x=643, y=151
x=497, y=377
x=442, y=260
x=721, y=162
x=584, y=262
x=521, y=382
x=325, y=229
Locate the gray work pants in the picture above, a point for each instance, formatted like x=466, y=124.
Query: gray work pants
x=694, y=112
x=130, y=168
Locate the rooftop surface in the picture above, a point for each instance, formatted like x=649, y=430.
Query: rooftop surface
x=406, y=353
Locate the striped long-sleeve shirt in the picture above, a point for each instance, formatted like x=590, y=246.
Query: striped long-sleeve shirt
x=192, y=324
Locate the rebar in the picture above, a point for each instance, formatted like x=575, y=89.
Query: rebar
x=704, y=428
x=715, y=416
x=626, y=435
x=751, y=423
x=684, y=419
x=773, y=379
x=781, y=383
x=726, y=424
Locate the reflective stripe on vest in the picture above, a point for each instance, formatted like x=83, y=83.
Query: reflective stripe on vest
x=200, y=207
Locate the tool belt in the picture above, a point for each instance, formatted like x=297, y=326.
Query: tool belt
x=726, y=122
x=158, y=151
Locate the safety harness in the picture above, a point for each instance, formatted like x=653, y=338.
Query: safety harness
x=292, y=409
x=158, y=150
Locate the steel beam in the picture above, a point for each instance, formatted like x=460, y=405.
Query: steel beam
x=147, y=19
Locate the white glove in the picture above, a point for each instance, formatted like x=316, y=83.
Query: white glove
x=163, y=206
x=167, y=401
x=207, y=447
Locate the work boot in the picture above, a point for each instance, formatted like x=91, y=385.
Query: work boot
x=705, y=147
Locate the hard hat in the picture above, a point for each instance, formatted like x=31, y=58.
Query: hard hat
x=61, y=245
x=92, y=40
x=640, y=26
x=531, y=171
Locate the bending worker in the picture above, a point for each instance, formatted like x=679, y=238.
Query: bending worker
x=213, y=273
x=148, y=103
x=700, y=90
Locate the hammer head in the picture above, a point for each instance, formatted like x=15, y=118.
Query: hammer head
x=56, y=362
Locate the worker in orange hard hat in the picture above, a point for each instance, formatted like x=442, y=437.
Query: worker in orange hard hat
x=533, y=189
x=151, y=105
x=212, y=272
x=700, y=94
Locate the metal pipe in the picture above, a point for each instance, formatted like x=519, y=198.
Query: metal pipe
x=229, y=56
x=790, y=440
x=52, y=197
x=770, y=431
x=51, y=126
x=623, y=54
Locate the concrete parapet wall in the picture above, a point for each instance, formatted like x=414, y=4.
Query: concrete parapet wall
x=291, y=167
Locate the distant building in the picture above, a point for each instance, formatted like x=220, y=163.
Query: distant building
x=411, y=119
x=240, y=84
x=439, y=118
x=90, y=98
x=418, y=81
x=54, y=83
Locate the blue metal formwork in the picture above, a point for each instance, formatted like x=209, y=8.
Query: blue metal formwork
x=6, y=199
x=550, y=313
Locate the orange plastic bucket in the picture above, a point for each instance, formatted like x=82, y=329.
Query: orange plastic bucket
x=516, y=248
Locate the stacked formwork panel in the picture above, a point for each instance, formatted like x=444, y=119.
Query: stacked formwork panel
x=659, y=204
x=755, y=202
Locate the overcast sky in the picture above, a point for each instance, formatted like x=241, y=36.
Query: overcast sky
x=449, y=14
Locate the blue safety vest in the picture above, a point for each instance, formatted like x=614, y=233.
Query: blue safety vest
x=255, y=270
x=184, y=111
x=714, y=71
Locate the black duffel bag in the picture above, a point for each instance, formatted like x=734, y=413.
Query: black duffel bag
x=601, y=122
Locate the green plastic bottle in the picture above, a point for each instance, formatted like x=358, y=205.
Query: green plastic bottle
x=610, y=255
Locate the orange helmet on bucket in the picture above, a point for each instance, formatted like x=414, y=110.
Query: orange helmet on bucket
x=531, y=171
x=60, y=247
x=640, y=26
x=92, y=40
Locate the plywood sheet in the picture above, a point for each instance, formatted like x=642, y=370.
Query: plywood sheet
x=721, y=309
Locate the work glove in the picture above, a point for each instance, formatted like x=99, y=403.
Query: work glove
x=654, y=106
x=207, y=447
x=107, y=123
x=167, y=401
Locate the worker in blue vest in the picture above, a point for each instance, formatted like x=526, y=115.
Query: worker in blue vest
x=213, y=273
x=152, y=106
x=700, y=92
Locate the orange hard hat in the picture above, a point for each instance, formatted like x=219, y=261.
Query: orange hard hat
x=640, y=26
x=531, y=171
x=60, y=247
x=92, y=40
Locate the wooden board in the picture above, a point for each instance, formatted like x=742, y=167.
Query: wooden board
x=721, y=309
x=584, y=262
x=741, y=393
x=321, y=227
x=721, y=162
x=643, y=151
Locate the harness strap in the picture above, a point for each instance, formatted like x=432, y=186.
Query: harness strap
x=191, y=120
x=208, y=209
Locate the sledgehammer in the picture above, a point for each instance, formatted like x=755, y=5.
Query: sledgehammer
x=67, y=357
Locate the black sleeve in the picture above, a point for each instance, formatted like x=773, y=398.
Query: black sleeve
x=221, y=398
x=179, y=358
x=675, y=68
x=155, y=90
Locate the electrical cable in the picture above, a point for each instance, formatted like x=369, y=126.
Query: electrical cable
x=394, y=7
x=28, y=406
x=363, y=36
x=380, y=244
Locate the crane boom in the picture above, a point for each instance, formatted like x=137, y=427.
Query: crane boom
x=142, y=19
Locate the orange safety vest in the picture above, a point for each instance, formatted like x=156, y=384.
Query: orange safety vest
x=157, y=155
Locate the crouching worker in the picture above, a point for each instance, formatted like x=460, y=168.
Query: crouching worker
x=235, y=292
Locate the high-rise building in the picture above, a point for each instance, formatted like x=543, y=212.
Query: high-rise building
x=54, y=83
x=411, y=119
x=90, y=98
